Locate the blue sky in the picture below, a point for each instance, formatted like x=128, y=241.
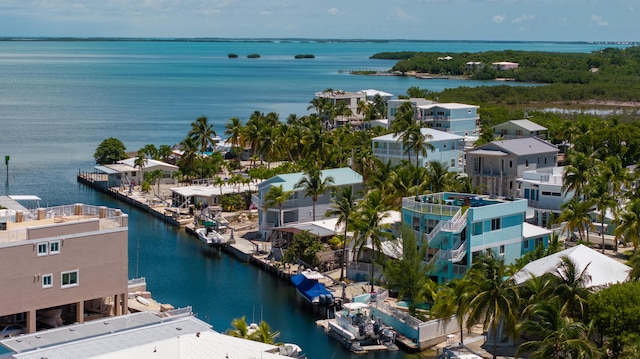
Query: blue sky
x=516, y=20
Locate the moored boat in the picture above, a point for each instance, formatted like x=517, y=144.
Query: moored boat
x=358, y=330
x=211, y=237
x=309, y=287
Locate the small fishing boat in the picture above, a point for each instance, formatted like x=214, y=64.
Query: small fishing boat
x=358, y=330
x=211, y=237
x=308, y=286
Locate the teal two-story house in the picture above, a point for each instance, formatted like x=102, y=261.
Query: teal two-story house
x=458, y=227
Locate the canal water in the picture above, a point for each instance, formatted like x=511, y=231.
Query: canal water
x=59, y=100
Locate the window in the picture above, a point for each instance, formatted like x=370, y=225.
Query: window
x=54, y=247
x=476, y=164
x=502, y=249
x=546, y=193
x=477, y=228
x=42, y=249
x=510, y=163
x=47, y=281
x=453, y=162
x=69, y=279
x=526, y=163
x=526, y=244
x=495, y=224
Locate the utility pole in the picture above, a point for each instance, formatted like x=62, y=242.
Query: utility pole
x=6, y=162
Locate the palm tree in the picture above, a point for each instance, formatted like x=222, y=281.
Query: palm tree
x=629, y=227
x=413, y=139
x=440, y=179
x=368, y=226
x=240, y=328
x=233, y=129
x=264, y=334
x=165, y=152
x=576, y=174
x=559, y=336
x=276, y=196
x=571, y=287
x=602, y=198
x=495, y=297
x=576, y=214
x=314, y=186
x=453, y=299
x=189, y=156
x=202, y=132
x=343, y=207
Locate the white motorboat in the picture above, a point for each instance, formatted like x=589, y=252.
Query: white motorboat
x=210, y=237
x=358, y=330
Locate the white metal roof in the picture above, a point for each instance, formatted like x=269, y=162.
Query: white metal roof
x=602, y=269
x=436, y=135
x=531, y=231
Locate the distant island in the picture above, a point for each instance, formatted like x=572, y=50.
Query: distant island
x=232, y=56
x=307, y=56
x=253, y=56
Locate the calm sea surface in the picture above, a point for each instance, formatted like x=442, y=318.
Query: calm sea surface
x=59, y=100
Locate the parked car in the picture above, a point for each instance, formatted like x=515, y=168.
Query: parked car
x=12, y=330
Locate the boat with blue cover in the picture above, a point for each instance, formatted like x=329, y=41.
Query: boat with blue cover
x=308, y=285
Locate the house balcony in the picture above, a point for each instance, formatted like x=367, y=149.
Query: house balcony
x=388, y=152
x=429, y=208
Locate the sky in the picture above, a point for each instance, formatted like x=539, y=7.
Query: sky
x=507, y=20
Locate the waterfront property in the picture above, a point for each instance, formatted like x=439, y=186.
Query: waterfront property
x=458, y=227
x=299, y=207
x=496, y=166
x=518, y=129
x=448, y=148
x=141, y=335
x=64, y=264
x=125, y=172
x=542, y=188
x=457, y=118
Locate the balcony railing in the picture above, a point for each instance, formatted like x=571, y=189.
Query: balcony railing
x=429, y=208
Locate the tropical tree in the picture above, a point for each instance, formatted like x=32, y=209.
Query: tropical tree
x=314, y=185
x=305, y=247
x=276, y=196
x=233, y=131
x=629, y=227
x=451, y=300
x=187, y=162
x=414, y=140
x=109, y=151
x=601, y=194
x=571, y=286
x=240, y=328
x=495, y=297
x=155, y=177
x=575, y=213
x=165, y=152
x=368, y=227
x=141, y=160
x=409, y=274
x=264, y=334
x=343, y=206
x=202, y=132
x=559, y=336
x=440, y=179
x=576, y=174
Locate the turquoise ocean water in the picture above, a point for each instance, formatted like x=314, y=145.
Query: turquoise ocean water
x=59, y=100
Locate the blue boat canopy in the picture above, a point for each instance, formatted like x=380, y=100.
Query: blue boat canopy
x=311, y=289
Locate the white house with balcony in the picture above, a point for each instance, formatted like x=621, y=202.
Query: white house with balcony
x=457, y=118
x=542, y=188
x=457, y=227
x=448, y=149
x=299, y=208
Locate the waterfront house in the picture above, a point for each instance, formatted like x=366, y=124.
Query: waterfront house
x=62, y=264
x=456, y=118
x=473, y=66
x=518, y=129
x=125, y=173
x=298, y=208
x=496, y=166
x=542, y=188
x=393, y=105
x=458, y=227
x=448, y=149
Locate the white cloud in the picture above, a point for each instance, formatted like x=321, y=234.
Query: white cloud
x=524, y=18
x=400, y=14
x=333, y=11
x=265, y=13
x=498, y=18
x=598, y=20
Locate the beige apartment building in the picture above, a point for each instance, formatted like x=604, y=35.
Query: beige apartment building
x=62, y=265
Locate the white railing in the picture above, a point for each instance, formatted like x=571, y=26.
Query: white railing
x=453, y=255
x=455, y=225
